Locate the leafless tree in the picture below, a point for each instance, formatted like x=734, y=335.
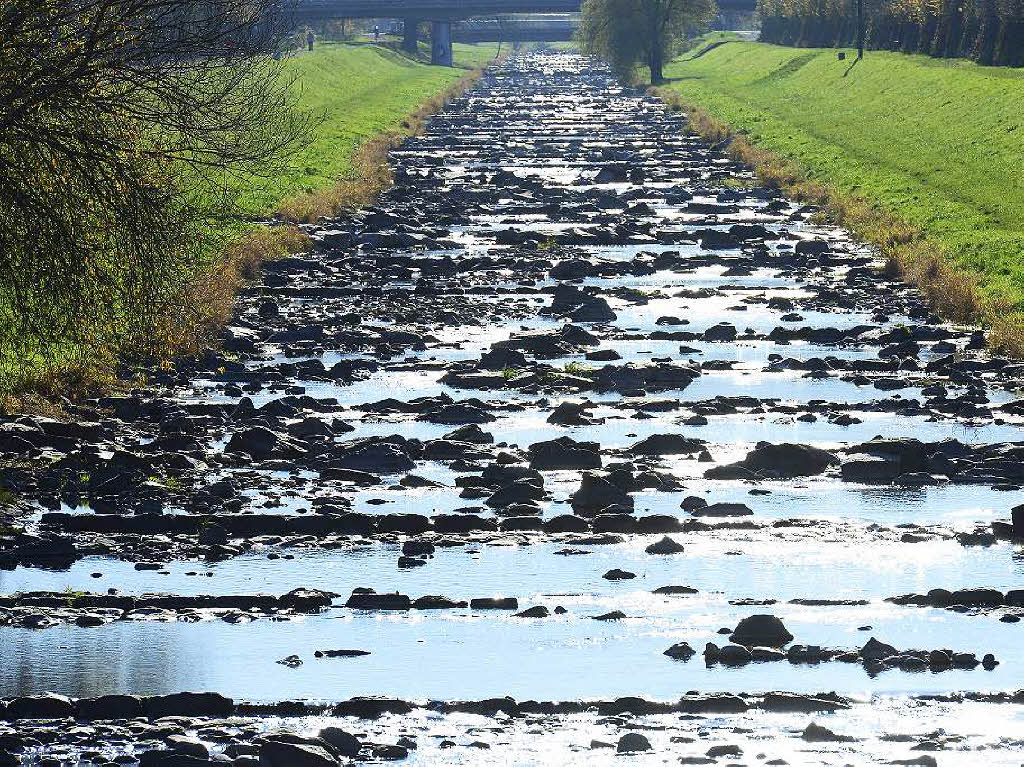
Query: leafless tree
x=120, y=121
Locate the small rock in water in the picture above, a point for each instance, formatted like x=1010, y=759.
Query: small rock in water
x=665, y=546
x=615, y=574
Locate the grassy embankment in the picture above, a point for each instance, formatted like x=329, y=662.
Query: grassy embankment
x=370, y=97
x=368, y=94
x=923, y=157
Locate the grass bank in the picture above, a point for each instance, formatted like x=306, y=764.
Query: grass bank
x=363, y=92
x=923, y=157
x=370, y=97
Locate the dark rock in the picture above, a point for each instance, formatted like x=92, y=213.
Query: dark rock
x=564, y=453
x=665, y=546
x=371, y=708
x=875, y=650
x=762, y=630
x=470, y=433
x=632, y=742
x=373, y=601
x=796, y=702
x=109, y=707
x=494, y=603
x=815, y=733
x=723, y=331
x=172, y=759
x=187, y=704
x=566, y=523
x=680, y=651
x=47, y=706
x=977, y=597
x=343, y=742
x=667, y=444
x=783, y=461
x=596, y=494
x=257, y=442
x=615, y=574
x=278, y=754
x=723, y=510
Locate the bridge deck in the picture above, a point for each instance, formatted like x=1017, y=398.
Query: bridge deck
x=308, y=10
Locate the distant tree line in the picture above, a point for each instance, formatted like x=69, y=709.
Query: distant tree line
x=989, y=32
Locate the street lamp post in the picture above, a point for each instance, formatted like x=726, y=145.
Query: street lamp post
x=860, y=29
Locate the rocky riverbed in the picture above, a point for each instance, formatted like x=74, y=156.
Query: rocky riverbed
x=578, y=446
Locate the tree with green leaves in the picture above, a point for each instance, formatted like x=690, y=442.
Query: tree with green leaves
x=632, y=33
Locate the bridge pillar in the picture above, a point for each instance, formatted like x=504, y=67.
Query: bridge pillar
x=441, y=43
x=410, y=42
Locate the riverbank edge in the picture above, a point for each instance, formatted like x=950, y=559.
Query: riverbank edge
x=193, y=322
x=240, y=262
x=909, y=252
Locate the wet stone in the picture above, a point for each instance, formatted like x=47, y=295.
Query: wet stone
x=576, y=354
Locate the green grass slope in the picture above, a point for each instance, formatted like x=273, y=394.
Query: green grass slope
x=361, y=90
x=939, y=143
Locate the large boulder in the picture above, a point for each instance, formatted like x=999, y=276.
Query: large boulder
x=278, y=754
x=784, y=461
x=109, y=707
x=593, y=310
x=908, y=453
x=761, y=630
x=596, y=493
x=633, y=742
x=978, y=597
x=573, y=414
x=875, y=650
x=188, y=704
x=871, y=469
x=368, y=600
x=470, y=433
x=667, y=444
x=723, y=331
x=344, y=743
x=173, y=759
x=723, y=510
x=257, y=442
x=378, y=457
x=47, y=706
x=371, y=707
x=1017, y=520
x=565, y=453
x=680, y=651
x=458, y=413
x=665, y=546
x=521, y=491
x=307, y=600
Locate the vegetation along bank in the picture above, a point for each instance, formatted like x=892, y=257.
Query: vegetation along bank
x=133, y=186
x=923, y=157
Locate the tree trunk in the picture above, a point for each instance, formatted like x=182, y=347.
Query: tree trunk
x=656, y=63
x=656, y=60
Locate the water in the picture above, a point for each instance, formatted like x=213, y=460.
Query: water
x=812, y=538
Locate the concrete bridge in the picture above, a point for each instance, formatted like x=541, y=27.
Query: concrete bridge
x=431, y=10
x=522, y=29
x=441, y=14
